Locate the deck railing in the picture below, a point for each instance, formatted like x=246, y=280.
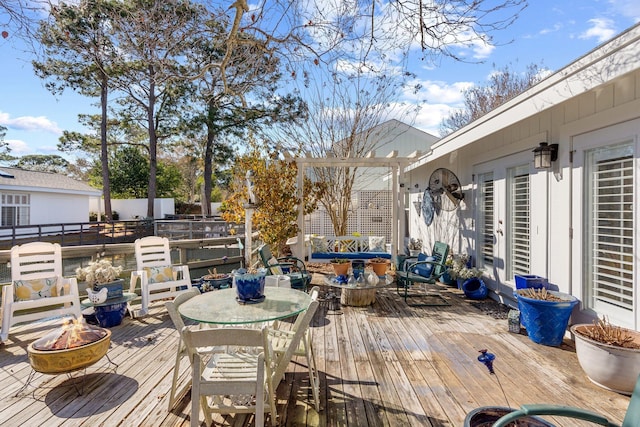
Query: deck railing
x=222, y=253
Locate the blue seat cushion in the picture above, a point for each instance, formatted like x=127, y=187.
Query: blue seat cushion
x=424, y=270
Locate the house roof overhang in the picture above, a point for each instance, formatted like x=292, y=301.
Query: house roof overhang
x=603, y=64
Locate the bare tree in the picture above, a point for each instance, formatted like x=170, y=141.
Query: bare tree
x=503, y=85
x=326, y=30
x=345, y=111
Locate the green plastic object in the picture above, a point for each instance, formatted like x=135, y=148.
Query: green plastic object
x=631, y=418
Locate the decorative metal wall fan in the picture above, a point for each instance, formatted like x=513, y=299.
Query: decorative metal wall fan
x=445, y=190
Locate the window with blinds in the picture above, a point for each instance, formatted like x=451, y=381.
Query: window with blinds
x=14, y=209
x=518, y=238
x=609, y=233
x=485, y=220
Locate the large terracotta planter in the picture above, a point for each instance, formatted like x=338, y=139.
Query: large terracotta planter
x=380, y=268
x=611, y=367
x=341, y=268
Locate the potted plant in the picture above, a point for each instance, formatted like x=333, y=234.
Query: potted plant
x=545, y=314
x=608, y=354
x=102, y=274
x=415, y=246
x=379, y=266
x=214, y=280
x=249, y=285
x=341, y=266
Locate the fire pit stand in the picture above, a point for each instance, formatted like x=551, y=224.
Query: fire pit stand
x=73, y=347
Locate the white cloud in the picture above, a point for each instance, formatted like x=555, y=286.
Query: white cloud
x=629, y=8
x=18, y=147
x=430, y=117
x=553, y=29
x=29, y=123
x=601, y=28
x=438, y=92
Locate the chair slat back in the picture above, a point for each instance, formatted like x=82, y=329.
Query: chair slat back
x=303, y=322
x=219, y=337
x=439, y=253
x=36, y=260
x=265, y=255
x=172, y=307
x=152, y=251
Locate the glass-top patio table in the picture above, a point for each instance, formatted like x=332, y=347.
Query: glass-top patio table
x=221, y=307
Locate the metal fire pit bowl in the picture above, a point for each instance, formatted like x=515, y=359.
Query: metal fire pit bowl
x=68, y=359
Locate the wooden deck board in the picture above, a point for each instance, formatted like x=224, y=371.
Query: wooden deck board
x=383, y=365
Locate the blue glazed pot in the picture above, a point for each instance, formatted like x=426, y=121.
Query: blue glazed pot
x=475, y=288
x=110, y=315
x=250, y=286
x=358, y=267
x=446, y=279
x=546, y=321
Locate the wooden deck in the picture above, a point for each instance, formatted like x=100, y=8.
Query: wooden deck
x=383, y=365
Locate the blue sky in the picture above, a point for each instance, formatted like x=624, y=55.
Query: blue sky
x=548, y=33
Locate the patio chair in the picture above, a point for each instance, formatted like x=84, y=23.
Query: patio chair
x=631, y=418
x=159, y=279
x=172, y=308
x=281, y=341
x=425, y=272
x=230, y=378
x=287, y=265
x=37, y=288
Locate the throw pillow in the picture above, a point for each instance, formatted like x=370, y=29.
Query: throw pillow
x=28, y=290
x=424, y=270
x=275, y=268
x=376, y=244
x=318, y=244
x=159, y=274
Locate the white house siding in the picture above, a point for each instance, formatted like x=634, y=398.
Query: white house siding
x=49, y=208
x=593, y=102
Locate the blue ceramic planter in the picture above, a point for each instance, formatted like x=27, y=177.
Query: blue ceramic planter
x=110, y=315
x=546, y=321
x=250, y=287
x=475, y=288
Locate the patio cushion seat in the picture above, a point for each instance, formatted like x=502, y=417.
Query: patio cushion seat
x=424, y=270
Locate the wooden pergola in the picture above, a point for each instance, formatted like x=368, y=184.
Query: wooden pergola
x=397, y=166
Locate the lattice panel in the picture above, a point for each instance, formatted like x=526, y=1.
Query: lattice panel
x=372, y=218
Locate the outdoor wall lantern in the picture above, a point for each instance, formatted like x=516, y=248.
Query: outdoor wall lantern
x=544, y=154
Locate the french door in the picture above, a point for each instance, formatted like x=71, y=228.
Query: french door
x=605, y=200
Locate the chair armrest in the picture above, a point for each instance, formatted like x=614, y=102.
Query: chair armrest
x=134, y=279
x=182, y=269
x=69, y=285
x=554, y=410
x=412, y=266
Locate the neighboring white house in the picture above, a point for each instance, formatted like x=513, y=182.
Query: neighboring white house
x=372, y=196
x=29, y=197
x=575, y=223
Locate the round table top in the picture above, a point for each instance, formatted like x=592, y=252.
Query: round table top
x=221, y=307
x=330, y=280
x=126, y=297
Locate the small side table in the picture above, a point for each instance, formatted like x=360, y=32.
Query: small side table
x=111, y=312
x=358, y=296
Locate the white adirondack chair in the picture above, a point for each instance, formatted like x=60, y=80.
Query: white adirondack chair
x=37, y=285
x=153, y=260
